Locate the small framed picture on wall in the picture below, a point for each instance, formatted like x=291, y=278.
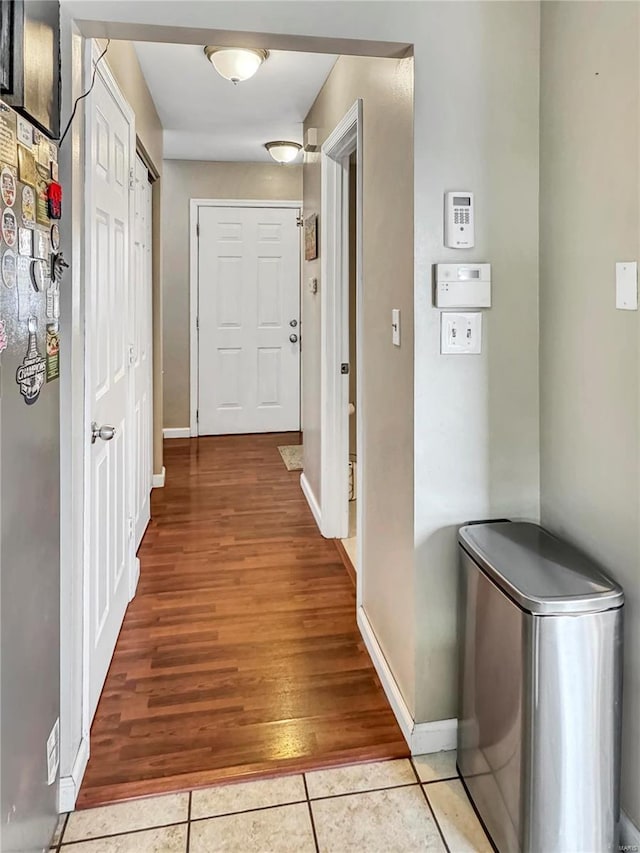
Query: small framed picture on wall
x=311, y=237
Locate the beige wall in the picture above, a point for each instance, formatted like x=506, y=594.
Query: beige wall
x=122, y=60
x=589, y=369
x=386, y=87
x=182, y=181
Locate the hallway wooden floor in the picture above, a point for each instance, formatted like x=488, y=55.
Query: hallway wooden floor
x=240, y=654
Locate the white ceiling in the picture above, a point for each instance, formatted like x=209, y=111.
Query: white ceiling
x=208, y=118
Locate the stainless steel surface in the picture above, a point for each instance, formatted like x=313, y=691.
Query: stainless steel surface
x=539, y=728
x=30, y=583
x=293, y=323
x=293, y=338
x=537, y=570
x=105, y=432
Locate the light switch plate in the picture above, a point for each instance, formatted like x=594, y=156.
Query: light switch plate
x=627, y=285
x=395, y=326
x=460, y=334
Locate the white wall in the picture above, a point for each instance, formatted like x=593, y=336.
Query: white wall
x=589, y=361
x=490, y=99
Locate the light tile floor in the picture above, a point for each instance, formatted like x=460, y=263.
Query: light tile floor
x=399, y=806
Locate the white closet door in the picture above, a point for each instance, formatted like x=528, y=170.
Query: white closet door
x=249, y=313
x=110, y=151
x=141, y=352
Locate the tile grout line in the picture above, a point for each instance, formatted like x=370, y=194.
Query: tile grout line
x=432, y=812
x=313, y=823
x=189, y=822
x=67, y=844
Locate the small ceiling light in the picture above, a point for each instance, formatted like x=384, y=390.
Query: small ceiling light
x=283, y=152
x=235, y=63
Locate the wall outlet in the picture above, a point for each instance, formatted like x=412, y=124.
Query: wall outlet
x=313, y=285
x=460, y=334
x=627, y=285
x=53, y=753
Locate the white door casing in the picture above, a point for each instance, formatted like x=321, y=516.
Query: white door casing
x=248, y=297
x=141, y=353
x=334, y=309
x=109, y=580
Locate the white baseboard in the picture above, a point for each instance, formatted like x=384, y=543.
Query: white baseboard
x=311, y=500
x=158, y=480
x=69, y=786
x=435, y=736
x=177, y=432
x=629, y=834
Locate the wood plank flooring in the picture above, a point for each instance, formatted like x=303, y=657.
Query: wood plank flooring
x=240, y=655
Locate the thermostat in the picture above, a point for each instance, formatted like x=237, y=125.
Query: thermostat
x=462, y=286
x=459, y=231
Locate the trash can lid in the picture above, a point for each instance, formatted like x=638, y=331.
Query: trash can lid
x=541, y=573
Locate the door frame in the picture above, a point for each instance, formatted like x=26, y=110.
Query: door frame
x=194, y=205
x=334, y=310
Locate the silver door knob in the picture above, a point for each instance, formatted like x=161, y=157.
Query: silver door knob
x=104, y=432
x=293, y=323
x=293, y=338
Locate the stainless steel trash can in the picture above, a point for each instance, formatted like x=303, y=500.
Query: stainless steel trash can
x=540, y=690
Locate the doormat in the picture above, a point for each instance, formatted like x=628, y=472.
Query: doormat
x=292, y=456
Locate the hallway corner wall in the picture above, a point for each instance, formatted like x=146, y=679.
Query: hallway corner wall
x=589, y=362
x=386, y=87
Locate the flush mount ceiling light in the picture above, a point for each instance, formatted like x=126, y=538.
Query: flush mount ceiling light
x=235, y=63
x=283, y=152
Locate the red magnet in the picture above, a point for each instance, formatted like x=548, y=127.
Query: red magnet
x=54, y=200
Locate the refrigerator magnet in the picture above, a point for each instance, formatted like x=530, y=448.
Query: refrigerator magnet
x=30, y=376
x=25, y=242
x=3, y=337
x=55, y=237
x=53, y=352
x=25, y=287
x=8, y=268
x=24, y=132
x=28, y=206
x=41, y=244
x=42, y=201
x=8, y=186
x=26, y=166
x=39, y=276
x=8, y=151
x=9, y=227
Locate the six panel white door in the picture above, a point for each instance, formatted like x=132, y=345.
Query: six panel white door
x=249, y=312
x=141, y=336
x=110, y=141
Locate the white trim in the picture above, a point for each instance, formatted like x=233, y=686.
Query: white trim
x=158, y=480
x=311, y=500
x=421, y=737
x=436, y=736
x=194, y=205
x=334, y=296
x=629, y=834
x=69, y=786
x=176, y=432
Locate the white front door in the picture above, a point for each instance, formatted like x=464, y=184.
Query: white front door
x=249, y=320
x=110, y=147
x=141, y=354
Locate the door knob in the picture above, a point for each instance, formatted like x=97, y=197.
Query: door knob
x=105, y=432
x=293, y=323
x=293, y=338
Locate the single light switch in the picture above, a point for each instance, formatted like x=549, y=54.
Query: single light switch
x=395, y=326
x=460, y=334
x=627, y=285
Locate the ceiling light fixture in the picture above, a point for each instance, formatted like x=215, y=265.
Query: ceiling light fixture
x=235, y=63
x=283, y=152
